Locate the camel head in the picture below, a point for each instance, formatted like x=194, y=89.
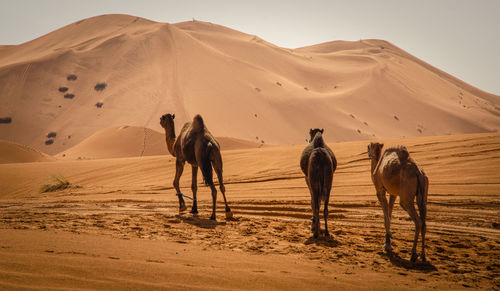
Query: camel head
x=167, y=122
x=374, y=150
x=312, y=133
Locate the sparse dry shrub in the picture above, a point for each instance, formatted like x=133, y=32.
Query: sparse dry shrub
x=58, y=182
x=100, y=86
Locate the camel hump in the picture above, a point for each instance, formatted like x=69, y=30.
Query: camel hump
x=198, y=124
x=401, y=151
x=318, y=141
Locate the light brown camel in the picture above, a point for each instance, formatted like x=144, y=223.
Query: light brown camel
x=395, y=172
x=318, y=164
x=198, y=147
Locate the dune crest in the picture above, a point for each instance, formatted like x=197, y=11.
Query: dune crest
x=245, y=87
x=17, y=153
x=133, y=141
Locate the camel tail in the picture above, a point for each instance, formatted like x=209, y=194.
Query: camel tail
x=422, y=190
x=320, y=174
x=206, y=166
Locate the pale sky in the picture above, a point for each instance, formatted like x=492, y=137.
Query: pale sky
x=461, y=37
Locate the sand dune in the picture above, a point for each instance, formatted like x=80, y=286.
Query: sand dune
x=16, y=153
x=133, y=141
x=120, y=227
x=244, y=87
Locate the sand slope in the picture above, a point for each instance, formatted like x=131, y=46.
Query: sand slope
x=133, y=141
x=244, y=86
x=16, y=153
x=120, y=228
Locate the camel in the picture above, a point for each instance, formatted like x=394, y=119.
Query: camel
x=395, y=172
x=318, y=164
x=195, y=145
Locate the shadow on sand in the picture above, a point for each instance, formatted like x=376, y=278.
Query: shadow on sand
x=323, y=241
x=396, y=260
x=200, y=221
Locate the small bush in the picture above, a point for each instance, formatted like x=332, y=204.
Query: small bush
x=49, y=142
x=69, y=96
x=305, y=88
x=71, y=77
x=99, y=104
x=58, y=183
x=257, y=89
x=5, y=120
x=63, y=89
x=100, y=86
x=278, y=83
x=51, y=134
x=395, y=117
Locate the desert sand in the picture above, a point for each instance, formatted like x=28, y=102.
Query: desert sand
x=84, y=102
x=240, y=83
x=118, y=225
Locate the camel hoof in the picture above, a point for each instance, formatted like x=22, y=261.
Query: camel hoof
x=327, y=234
x=388, y=248
x=413, y=257
x=315, y=235
x=194, y=211
x=423, y=258
x=212, y=217
x=229, y=214
x=182, y=208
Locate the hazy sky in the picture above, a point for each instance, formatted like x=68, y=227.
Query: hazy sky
x=461, y=37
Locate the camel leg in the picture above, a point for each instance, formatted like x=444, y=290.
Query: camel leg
x=312, y=204
x=325, y=214
x=229, y=214
x=179, y=168
x=387, y=223
x=410, y=208
x=423, y=228
x=313, y=221
x=422, y=207
x=316, y=216
x=392, y=199
x=214, y=200
x=194, y=188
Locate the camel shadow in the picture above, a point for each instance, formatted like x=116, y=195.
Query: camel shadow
x=396, y=260
x=323, y=241
x=200, y=221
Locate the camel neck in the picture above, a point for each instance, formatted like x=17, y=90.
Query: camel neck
x=170, y=139
x=374, y=162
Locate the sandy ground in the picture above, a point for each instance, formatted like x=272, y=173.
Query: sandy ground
x=118, y=225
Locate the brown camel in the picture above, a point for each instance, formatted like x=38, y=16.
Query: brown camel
x=195, y=145
x=395, y=172
x=318, y=164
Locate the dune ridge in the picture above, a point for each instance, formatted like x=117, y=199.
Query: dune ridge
x=133, y=141
x=12, y=152
x=244, y=87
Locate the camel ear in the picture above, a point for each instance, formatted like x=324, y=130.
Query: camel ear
x=310, y=130
x=173, y=116
x=322, y=130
